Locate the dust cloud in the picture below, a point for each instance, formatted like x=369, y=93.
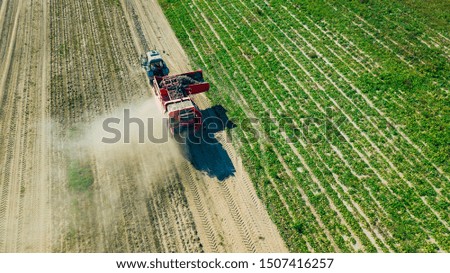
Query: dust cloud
x=124, y=173
x=135, y=131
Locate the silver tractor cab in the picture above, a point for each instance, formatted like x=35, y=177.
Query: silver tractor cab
x=154, y=65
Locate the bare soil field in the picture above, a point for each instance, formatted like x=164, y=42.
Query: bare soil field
x=65, y=66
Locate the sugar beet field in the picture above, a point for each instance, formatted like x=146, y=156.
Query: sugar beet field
x=342, y=113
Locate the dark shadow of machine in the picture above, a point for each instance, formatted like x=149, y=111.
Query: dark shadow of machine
x=205, y=152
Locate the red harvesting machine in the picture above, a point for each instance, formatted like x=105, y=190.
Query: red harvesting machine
x=174, y=93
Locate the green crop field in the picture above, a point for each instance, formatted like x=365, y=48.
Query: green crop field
x=342, y=111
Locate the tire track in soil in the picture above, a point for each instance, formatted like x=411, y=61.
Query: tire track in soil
x=10, y=19
x=24, y=210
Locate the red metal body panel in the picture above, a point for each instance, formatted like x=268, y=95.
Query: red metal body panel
x=176, y=89
x=198, y=88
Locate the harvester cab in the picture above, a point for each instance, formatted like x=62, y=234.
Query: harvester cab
x=154, y=65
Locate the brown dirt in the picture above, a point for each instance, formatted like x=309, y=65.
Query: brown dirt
x=65, y=67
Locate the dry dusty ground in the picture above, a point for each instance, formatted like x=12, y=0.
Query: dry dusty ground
x=64, y=67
